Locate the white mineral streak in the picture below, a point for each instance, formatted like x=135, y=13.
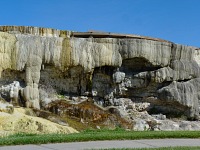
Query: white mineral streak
x=197, y=56
x=7, y=51
x=91, y=53
x=157, y=53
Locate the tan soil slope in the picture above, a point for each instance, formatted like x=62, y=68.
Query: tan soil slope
x=20, y=122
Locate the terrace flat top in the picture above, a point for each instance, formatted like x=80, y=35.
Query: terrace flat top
x=65, y=33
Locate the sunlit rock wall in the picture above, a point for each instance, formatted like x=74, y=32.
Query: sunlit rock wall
x=49, y=62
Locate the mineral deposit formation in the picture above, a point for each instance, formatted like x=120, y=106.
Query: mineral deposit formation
x=36, y=64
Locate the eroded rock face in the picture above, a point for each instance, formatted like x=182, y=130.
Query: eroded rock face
x=104, y=66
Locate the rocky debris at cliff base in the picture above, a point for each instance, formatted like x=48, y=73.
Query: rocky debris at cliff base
x=127, y=114
x=87, y=112
x=142, y=120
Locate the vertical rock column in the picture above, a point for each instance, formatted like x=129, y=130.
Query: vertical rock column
x=31, y=92
x=30, y=54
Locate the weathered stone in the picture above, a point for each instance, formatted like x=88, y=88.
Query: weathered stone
x=118, y=77
x=6, y=107
x=183, y=93
x=109, y=67
x=159, y=116
x=141, y=125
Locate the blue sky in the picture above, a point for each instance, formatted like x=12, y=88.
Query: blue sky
x=174, y=20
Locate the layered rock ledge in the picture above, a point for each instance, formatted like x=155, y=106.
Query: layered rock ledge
x=37, y=64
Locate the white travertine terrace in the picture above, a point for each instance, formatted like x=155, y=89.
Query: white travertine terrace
x=31, y=49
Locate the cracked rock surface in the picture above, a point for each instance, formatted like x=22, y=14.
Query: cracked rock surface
x=39, y=64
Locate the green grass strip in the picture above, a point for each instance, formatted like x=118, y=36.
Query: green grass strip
x=95, y=135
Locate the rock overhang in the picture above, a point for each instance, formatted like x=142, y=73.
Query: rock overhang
x=83, y=59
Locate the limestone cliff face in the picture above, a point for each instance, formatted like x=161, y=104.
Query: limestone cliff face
x=105, y=66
